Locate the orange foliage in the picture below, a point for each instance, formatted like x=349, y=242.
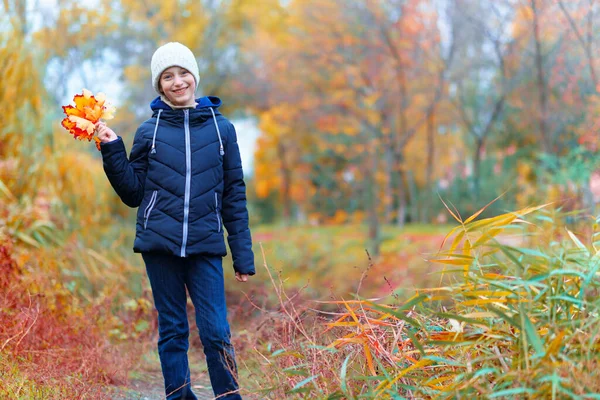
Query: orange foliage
x=88, y=110
x=340, y=217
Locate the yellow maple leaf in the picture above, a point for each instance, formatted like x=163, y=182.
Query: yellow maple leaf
x=82, y=124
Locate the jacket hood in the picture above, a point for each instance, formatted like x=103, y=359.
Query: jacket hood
x=203, y=102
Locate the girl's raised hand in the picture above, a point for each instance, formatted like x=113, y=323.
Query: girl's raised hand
x=104, y=133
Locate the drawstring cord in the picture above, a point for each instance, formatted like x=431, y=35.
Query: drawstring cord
x=154, y=137
x=221, y=151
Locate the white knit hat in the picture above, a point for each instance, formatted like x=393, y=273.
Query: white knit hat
x=170, y=55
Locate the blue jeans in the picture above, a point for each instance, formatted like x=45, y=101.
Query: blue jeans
x=203, y=277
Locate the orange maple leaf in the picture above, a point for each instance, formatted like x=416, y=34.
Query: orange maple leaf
x=81, y=118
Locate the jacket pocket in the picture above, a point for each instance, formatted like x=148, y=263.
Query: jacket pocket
x=217, y=211
x=149, y=207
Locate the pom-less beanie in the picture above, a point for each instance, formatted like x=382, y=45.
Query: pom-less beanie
x=170, y=55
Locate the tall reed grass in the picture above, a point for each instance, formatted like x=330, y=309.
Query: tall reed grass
x=518, y=316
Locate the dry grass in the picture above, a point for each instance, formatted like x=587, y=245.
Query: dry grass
x=51, y=342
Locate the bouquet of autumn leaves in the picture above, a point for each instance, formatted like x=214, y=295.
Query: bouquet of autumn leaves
x=82, y=117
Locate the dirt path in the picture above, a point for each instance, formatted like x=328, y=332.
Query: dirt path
x=152, y=389
x=146, y=382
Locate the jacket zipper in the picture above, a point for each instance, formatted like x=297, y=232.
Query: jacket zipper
x=188, y=178
x=149, y=207
x=217, y=212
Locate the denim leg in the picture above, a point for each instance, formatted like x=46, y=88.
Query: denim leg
x=206, y=287
x=167, y=279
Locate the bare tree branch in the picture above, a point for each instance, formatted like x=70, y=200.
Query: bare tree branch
x=582, y=41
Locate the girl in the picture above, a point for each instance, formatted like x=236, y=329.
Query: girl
x=185, y=175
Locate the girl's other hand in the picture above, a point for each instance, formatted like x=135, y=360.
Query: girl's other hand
x=104, y=133
x=241, y=277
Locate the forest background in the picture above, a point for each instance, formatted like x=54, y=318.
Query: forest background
x=366, y=127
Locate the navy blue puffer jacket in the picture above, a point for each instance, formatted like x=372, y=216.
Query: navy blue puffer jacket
x=185, y=175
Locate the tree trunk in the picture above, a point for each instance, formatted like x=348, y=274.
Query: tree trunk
x=389, y=187
x=477, y=169
x=401, y=217
x=21, y=8
x=412, y=196
x=590, y=32
x=373, y=223
x=541, y=81
x=286, y=183
x=371, y=203
x=399, y=157
x=428, y=190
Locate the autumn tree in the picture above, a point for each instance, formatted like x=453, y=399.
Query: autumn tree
x=481, y=79
x=352, y=89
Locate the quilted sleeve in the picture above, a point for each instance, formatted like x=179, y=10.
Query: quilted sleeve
x=127, y=176
x=235, y=212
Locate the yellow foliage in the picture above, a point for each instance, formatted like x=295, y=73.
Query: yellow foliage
x=280, y=146
x=373, y=116
x=264, y=15
x=20, y=92
x=449, y=150
x=75, y=26
x=136, y=74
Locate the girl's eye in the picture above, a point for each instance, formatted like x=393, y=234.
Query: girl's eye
x=166, y=77
x=184, y=72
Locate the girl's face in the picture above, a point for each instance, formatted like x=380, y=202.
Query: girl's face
x=178, y=85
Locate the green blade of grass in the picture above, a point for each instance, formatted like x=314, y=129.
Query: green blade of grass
x=299, y=387
x=343, y=373
x=415, y=342
x=533, y=336
x=511, y=392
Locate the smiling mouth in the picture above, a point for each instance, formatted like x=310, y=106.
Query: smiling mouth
x=180, y=91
